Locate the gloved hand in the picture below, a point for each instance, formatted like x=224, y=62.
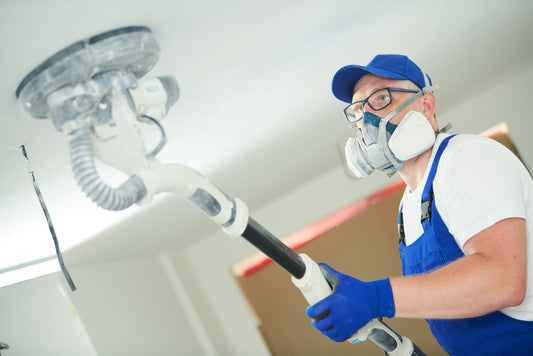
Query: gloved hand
x=351, y=306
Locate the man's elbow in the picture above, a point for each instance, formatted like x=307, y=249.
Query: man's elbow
x=514, y=292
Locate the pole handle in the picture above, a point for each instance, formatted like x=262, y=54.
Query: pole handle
x=315, y=286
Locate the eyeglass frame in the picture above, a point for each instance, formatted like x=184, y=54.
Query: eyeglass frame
x=365, y=101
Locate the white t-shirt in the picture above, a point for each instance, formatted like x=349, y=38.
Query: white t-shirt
x=478, y=183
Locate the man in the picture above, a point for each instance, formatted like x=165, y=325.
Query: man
x=465, y=222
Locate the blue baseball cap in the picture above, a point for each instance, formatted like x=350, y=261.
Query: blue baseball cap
x=391, y=66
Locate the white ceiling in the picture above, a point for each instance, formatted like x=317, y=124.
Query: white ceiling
x=255, y=115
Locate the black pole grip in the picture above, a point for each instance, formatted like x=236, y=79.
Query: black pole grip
x=274, y=248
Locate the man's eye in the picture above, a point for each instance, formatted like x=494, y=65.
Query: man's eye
x=384, y=98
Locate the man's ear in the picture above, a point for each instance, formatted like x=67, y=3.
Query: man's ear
x=430, y=105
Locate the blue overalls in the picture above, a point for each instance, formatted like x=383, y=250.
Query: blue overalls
x=491, y=334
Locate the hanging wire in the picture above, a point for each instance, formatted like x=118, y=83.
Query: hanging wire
x=49, y=220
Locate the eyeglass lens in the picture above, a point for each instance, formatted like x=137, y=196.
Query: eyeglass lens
x=377, y=101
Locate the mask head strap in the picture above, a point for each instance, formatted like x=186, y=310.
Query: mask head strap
x=383, y=123
x=425, y=90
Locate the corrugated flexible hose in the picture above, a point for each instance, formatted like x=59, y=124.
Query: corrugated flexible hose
x=83, y=166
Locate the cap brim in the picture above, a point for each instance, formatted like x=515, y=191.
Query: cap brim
x=345, y=79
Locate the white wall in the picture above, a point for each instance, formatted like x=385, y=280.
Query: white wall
x=508, y=100
x=130, y=308
x=38, y=318
x=186, y=302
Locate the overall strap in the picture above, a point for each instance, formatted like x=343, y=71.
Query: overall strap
x=427, y=193
x=433, y=170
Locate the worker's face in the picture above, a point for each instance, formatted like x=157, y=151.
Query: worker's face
x=370, y=83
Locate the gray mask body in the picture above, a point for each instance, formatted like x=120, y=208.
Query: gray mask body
x=375, y=143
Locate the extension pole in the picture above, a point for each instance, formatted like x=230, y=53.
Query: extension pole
x=274, y=248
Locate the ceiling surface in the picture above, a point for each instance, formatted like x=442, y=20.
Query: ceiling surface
x=255, y=115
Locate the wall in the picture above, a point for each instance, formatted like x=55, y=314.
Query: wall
x=38, y=318
x=130, y=308
x=506, y=101
x=186, y=302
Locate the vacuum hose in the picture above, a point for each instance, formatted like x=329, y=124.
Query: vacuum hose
x=83, y=166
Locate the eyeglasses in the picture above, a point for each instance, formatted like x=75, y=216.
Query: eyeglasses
x=378, y=100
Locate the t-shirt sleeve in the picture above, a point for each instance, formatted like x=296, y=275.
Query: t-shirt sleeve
x=478, y=183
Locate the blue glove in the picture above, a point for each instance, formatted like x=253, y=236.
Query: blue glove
x=351, y=306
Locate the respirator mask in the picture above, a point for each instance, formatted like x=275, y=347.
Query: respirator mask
x=378, y=144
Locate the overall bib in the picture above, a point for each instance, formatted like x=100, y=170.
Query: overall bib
x=491, y=334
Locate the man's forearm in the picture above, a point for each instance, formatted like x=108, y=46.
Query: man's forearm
x=492, y=277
